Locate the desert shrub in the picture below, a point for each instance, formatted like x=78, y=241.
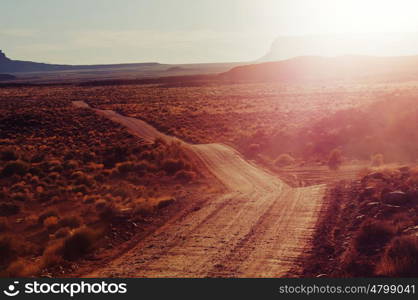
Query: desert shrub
x=164, y=202
x=54, y=176
x=7, y=249
x=114, y=155
x=80, y=189
x=254, y=149
x=70, y=164
x=92, y=166
x=412, y=181
x=107, y=212
x=62, y=232
x=18, y=197
x=377, y=160
x=36, y=171
x=143, y=207
x=400, y=258
x=184, y=175
x=171, y=166
x=99, y=178
x=45, y=215
x=363, y=172
x=89, y=199
x=144, y=166
x=52, y=254
x=47, y=195
x=335, y=159
x=22, y=268
x=70, y=221
x=52, y=165
x=372, y=236
x=40, y=189
x=284, y=160
x=79, y=243
x=147, y=155
x=4, y=225
x=9, y=209
x=159, y=141
x=50, y=222
x=8, y=155
x=120, y=191
x=18, y=187
x=100, y=204
x=14, y=167
x=85, y=180
x=355, y=264
x=37, y=158
x=402, y=221
x=78, y=175
x=175, y=149
x=125, y=167
x=34, y=179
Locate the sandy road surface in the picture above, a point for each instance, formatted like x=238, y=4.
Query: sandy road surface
x=258, y=229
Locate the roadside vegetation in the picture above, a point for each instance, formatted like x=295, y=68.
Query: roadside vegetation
x=370, y=228
x=264, y=121
x=74, y=184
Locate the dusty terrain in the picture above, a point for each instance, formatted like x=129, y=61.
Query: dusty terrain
x=72, y=191
x=369, y=228
x=228, y=213
x=258, y=229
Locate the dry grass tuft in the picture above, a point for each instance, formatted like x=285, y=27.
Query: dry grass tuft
x=400, y=258
x=284, y=160
x=372, y=236
x=335, y=159
x=79, y=243
x=377, y=160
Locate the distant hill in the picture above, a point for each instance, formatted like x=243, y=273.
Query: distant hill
x=373, y=44
x=7, y=77
x=14, y=66
x=315, y=68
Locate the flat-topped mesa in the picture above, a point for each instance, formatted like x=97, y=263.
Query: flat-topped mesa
x=3, y=56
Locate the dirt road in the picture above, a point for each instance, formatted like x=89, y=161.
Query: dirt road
x=258, y=229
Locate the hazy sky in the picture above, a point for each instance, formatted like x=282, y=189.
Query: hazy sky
x=182, y=31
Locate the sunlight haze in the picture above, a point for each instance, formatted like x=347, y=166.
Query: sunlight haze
x=186, y=31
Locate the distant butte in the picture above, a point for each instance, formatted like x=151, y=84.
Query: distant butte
x=13, y=66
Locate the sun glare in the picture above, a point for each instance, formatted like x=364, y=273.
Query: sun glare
x=342, y=16
x=370, y=16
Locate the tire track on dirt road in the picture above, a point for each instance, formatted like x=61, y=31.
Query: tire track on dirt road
x=258, y=228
